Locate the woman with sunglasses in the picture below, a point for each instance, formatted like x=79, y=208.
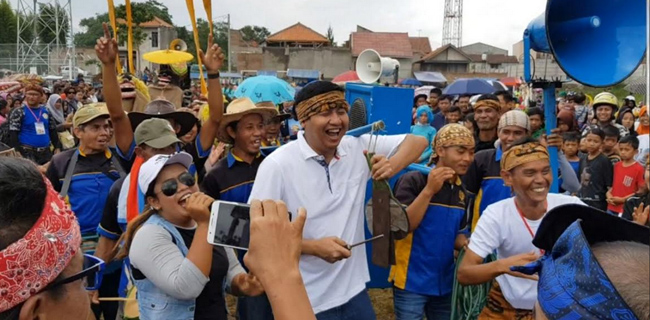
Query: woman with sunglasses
x=178, y=274
x=43, y=273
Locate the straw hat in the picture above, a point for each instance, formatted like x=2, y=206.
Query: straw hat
x=236, y=110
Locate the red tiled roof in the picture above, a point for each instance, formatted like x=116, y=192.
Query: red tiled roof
x=297, y=33
x=387, y=44
x=154, y=23
x=420, y=45
x=440, y=50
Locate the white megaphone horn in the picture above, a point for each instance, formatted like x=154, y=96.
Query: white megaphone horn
x=371, y=66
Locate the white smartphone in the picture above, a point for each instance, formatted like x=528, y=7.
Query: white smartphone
x=229, y=225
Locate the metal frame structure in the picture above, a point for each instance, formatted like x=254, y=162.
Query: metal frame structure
x=452, y=29
x=34, y=53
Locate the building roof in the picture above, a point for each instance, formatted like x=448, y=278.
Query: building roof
x=494, y=58
x=387, y=44
x=297, y=33
x=420, y=45
x=156, y=22
x=435, y=53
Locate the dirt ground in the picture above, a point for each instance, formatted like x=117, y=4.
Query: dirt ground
x=382, y=300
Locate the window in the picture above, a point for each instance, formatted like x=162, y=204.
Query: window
x=154, y=39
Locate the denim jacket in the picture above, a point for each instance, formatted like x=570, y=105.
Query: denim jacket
x=154, y=303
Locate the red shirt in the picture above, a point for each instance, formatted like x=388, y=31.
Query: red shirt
x=627, y=180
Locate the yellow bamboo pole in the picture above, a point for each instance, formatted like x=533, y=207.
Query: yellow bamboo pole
x=111, y=16
x=190, y=9
x=129, y=45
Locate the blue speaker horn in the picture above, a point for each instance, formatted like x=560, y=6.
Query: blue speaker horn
x=598, y=43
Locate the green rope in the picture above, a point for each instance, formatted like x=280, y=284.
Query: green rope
x=468, y=301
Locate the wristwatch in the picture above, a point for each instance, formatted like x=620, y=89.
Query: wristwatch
x=214, y=75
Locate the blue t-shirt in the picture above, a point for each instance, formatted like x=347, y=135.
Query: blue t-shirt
x=28, y=135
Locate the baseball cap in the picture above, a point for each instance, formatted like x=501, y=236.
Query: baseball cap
x=89, y=113
x=156, y=133
x=149, y=170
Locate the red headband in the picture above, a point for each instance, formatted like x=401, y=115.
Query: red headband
x=31, y=263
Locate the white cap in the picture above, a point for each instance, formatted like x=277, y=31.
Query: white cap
x=631, y=98
x=150, y=169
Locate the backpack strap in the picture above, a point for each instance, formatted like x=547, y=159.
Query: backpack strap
x=68, y=174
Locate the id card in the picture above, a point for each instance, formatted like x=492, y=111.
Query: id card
x=40, y=128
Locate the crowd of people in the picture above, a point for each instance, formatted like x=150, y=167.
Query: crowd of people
x=115, y=225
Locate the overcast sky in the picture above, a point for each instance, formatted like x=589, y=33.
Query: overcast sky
x=497, y=22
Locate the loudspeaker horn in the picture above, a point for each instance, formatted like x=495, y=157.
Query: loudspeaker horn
x=178, y=45
x=597, y=43
x=371, y=66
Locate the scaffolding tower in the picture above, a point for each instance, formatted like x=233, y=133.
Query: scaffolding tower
x=452, y=29
x=44, y=37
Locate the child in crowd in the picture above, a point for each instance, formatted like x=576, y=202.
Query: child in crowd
x=422, y=127
x=570, y=148
x=609, y=144
x=470, y=123
x=628, y=176
x=453, y=115
x=536, y=116
x=582, y=147
x=596, y=172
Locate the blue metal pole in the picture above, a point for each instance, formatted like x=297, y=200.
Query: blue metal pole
x=527, y=56
x=551, y=123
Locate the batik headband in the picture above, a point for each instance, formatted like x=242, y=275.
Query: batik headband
x=31, y=263
x=572, y=284
x=321, y=103
x=488, y=103
x=522, y=154
x=452, y=135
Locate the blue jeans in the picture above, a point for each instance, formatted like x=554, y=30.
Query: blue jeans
x=254, y=308
x=413, y=306
x=358, y=308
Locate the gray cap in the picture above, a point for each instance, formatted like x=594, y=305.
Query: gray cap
x=156, y=133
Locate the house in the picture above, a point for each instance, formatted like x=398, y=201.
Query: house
x=492, y=63
x=420, y=46
x=388, y=44
x=159, y=33
x=482, y=48
x=446, y=59
x=297, y=35
x=248, y=51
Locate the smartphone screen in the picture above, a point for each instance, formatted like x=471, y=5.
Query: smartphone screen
x=230, y=225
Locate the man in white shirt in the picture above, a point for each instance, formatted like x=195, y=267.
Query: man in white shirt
x=326, y=172
x=508, y=227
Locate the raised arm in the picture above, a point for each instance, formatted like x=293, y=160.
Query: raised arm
x=408, y=152
x=106, y=50
x=212, y=60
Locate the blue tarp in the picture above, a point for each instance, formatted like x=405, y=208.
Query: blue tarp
x=271, y=73
x=430, y=76
x=303, y=74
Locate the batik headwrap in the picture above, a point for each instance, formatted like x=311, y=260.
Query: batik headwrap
x=31, y=263
x=488, y=103
x=522, y=154
x=321, y=103
x=516, y=118
x=452, y=135
x=572, y=284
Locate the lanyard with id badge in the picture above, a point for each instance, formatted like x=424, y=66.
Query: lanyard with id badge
x=38, y=125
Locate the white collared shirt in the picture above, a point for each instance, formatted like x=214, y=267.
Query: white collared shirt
x=292, y=174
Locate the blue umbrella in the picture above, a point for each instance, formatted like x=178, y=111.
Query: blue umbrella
x=411, y=82
x=469, y=86
x=265, y=88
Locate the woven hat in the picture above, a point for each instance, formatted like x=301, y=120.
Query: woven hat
x=236, y=110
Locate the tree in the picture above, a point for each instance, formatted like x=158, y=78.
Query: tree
x=8, y=18
x=94, y=30
x=254, y=33
x=52, y=16
x=140, y=12
x=220, y=32
x=330, y=36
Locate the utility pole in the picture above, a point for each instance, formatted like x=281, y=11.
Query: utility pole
x=229, y=50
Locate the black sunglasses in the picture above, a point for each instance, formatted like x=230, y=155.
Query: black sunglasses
x=169, y=187
x=92, y=274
